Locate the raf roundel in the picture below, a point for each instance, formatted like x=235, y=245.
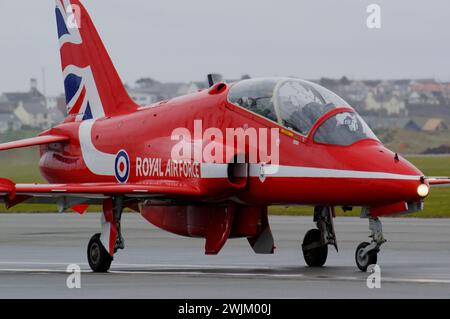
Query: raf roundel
x=122, y=166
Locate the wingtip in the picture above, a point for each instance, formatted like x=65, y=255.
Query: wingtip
x=433, y=181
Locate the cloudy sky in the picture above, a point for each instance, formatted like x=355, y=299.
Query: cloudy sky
x=179, y=40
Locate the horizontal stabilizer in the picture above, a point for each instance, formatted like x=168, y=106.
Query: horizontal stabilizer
x=33, y=141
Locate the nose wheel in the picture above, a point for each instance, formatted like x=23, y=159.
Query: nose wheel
x=366, y=254
x=98, y=257
x=363, y=261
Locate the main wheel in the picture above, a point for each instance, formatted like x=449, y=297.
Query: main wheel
x=98, y=257
x=314, y=252
x=369, y=259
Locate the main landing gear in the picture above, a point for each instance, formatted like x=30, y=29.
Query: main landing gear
x=98, y=257
x=102, y=246
x=316, y=241
x=366, y=253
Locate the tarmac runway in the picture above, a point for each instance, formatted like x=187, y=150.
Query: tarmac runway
x=35, y=250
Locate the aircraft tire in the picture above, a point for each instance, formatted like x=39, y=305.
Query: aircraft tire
x=369, y=259
x=98, y=257
x=317, y=256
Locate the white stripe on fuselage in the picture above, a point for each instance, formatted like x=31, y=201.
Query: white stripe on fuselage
x=269, y=171
x=103, y=164
x=97, y=162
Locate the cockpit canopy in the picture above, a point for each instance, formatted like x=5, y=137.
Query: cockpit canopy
x=297, y=105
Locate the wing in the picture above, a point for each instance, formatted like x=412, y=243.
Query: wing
x=38, y=140
x=70, y=195
x=434, y=181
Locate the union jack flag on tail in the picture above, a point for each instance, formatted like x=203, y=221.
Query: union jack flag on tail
x=92, y=86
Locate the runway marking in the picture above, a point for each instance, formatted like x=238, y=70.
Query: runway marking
x=213, y=273
x=166, y=266
x=38, y=263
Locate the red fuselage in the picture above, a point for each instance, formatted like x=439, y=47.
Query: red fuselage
x=146, y=133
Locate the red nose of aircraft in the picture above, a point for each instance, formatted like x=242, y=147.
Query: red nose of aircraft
x=389, y=178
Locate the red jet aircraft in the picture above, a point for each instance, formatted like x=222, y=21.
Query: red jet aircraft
x=199, y=165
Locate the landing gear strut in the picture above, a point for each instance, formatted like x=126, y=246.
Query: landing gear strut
x=102, y=246
x=316, y=241
x=366, y=253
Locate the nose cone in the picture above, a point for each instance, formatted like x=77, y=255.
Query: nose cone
x=395, y=163
x=394, y=179
x=377, y=158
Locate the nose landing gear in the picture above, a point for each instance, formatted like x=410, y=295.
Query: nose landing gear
x=366, y=253
x=316, y=241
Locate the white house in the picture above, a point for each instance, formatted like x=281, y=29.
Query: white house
x=33, y=114
x=149, y=92
x=423, y=98
x=388, y=103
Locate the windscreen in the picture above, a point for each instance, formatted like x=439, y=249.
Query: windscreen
x=343, y=129
x=294, y=103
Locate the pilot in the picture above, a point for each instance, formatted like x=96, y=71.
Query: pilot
x=303, y=118
x=259, y=100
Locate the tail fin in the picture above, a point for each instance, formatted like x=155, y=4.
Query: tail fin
x=92, y=86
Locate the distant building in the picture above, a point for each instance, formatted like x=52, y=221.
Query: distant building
x=142, y=97
x=371, y=83
x=385, y=103
x=51, y=102
x=33, y=94
x=33, y=114
x=431, y=92
x=401, y=87
x=7, y=107
x=28, y=107
x=377, y=123
x=423, y=98
x=9, y=122
x=430, y=86
x=149, y=91
x=435, y=125
x=355, y=92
